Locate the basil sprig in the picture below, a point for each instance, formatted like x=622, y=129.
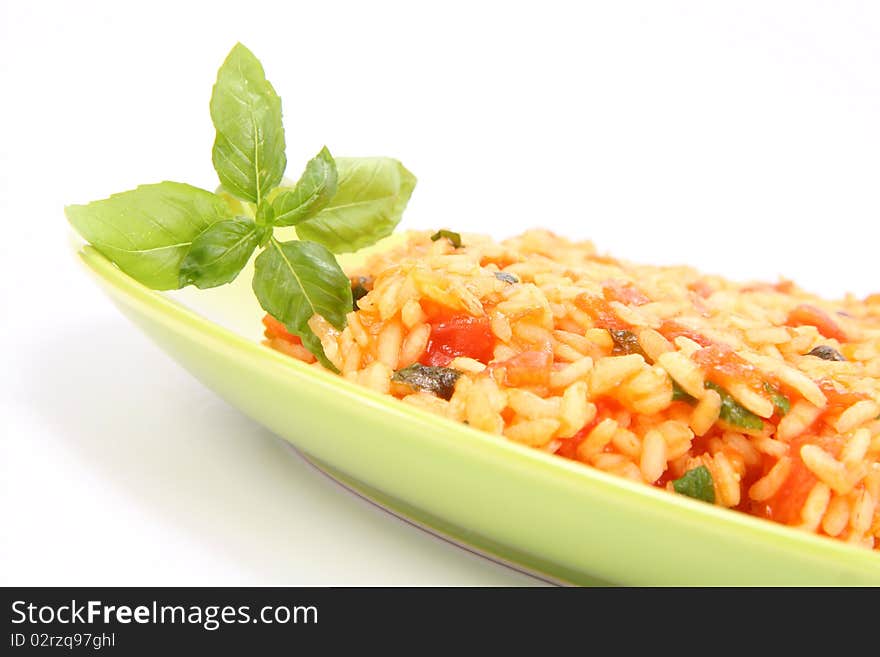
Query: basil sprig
x=170, y=235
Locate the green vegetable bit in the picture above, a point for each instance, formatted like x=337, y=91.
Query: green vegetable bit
x=696, y=483
x=170, y=234
x=506, y=278
x=679, y=394
x=359, y=291
x=437, y=380
x=733, y=412
x=780, y=401
x=454, y=238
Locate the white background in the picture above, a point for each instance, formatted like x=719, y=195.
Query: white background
x=740, y=137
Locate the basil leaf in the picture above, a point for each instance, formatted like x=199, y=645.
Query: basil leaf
x=359, y=291
x=453, y=237
x=311, y=194
x=696, y=483
x=295, y=280
x=249, y=147
x=371, y=195
x=505, y=277
x=780, y=401
x=437, y=380
x=218, y=255
x=679, y=394
x=733, y=412
x=148, y=231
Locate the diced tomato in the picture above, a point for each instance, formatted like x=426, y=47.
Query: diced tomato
x=838, y=401
x=784, y=286
x=624, y=292
x=701, y=287
x=569, y=446
x=275, y=329
x=600, y=310
x=725, y=367
x=670, y=329
x=457, y=334
x=806, y=314
x=786, y=505
x=528, y=369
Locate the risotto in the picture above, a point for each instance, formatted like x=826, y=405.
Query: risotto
x=760, y=397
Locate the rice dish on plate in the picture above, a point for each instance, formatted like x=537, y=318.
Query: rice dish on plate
x=757, y=397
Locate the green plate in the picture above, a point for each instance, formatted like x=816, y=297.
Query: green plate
x=563, y=520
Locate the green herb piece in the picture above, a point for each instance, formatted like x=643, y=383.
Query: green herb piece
x=371, y=195
x=626, y=342
x=248, y=150
x=733, y=412
x=507, y=278
x=679, y=394
x=359, y=291
x=454, y=238
x=294, y=281
x=696, y=483
x=148, y=231
x=171, y=234
x=311, y=194
x=780, y=401
x=437, y=380
x=219, y=253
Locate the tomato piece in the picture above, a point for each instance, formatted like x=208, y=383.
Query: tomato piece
x=786, y=505
x=457, y=334
x=624, y=292
x=725, y=367
x=569, y=446
x=784, y=286
x=600, y=310
x=670, y=329
x=838, y=401
x=808, y=315
x=529, y=369
x=701, y=287
x=275, y=329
